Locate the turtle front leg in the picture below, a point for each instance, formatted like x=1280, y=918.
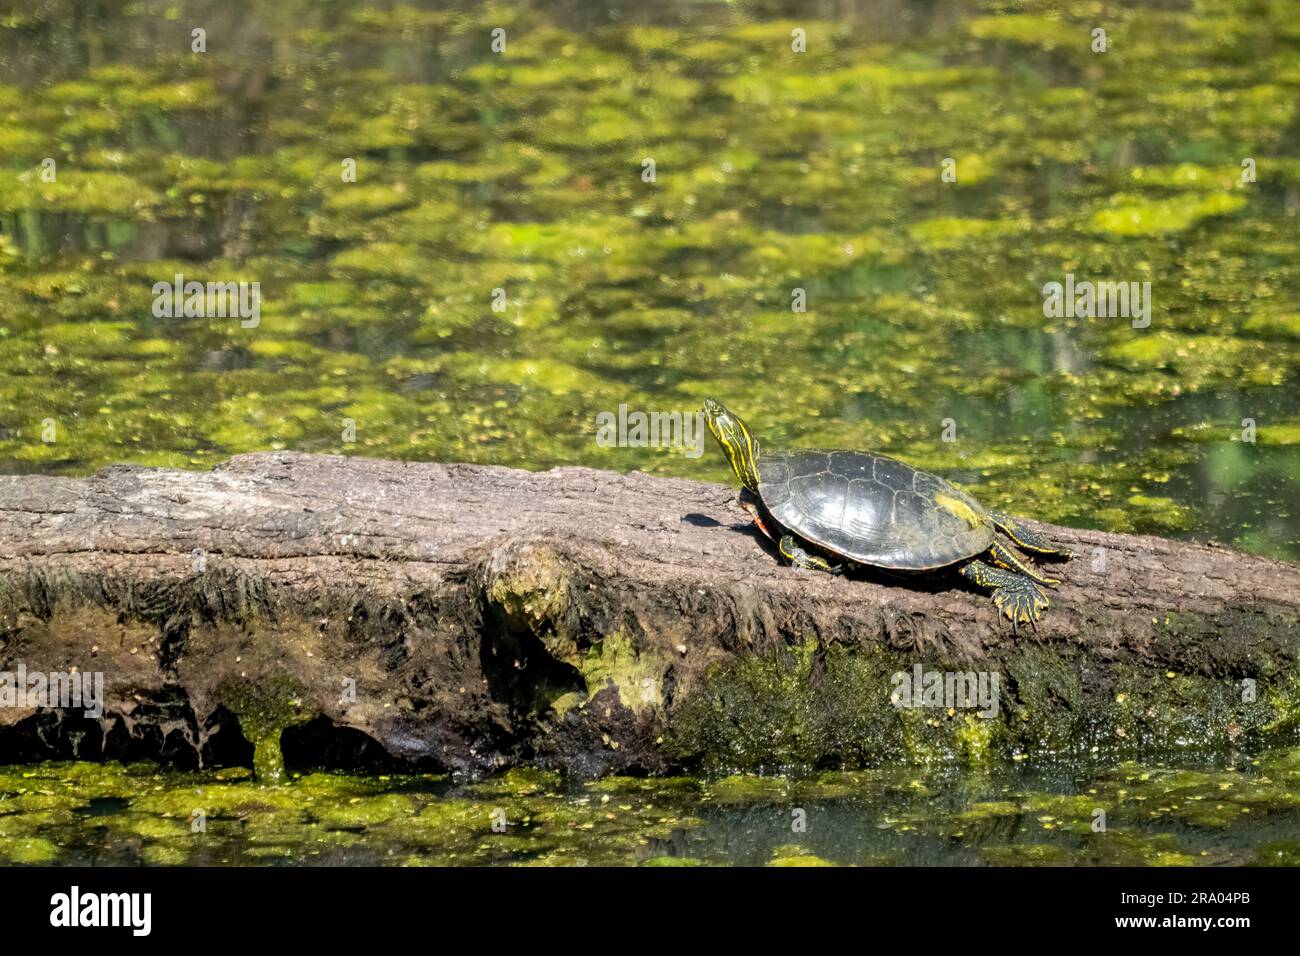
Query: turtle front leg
x=1019, y=599
x=800, y=558
x=1026, y=538
x=1004, y=557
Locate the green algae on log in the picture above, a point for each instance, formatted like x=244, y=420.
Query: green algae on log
x=470, y=617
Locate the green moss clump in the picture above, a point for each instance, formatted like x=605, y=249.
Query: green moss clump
x=791, y=855
x=810, y=706
x=638, y=676
x=265, y=707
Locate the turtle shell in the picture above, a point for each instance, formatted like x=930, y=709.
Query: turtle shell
x=873, y=509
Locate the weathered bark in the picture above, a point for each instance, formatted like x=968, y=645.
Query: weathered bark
x=591, y=621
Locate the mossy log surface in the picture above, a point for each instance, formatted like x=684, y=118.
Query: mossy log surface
x=470, y=617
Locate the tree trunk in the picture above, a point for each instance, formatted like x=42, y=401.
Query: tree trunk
x=468, y=617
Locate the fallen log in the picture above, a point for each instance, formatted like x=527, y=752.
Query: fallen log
x=469, y=617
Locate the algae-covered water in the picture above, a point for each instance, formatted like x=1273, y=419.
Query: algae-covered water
x=1237, y=811
x=469, y=253
x=524, y=171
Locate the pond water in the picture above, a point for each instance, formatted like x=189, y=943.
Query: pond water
x=774, y=171
x=848, y=245
x=1230, y=810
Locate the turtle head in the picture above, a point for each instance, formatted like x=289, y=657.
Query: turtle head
x=736, y=440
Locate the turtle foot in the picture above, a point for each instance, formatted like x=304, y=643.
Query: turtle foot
x=1021, y=604
x=1016, y=597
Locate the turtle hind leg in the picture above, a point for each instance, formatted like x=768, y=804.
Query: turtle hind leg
x=1026, y=538
x=1016, y=597
x=800, y=558
x=1004, y=557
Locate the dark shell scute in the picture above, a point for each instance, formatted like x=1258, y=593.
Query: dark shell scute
x=892, y=473
x=822, y=497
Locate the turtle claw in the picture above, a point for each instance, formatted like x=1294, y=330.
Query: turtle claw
x=1015, y=595
x=1020, y=604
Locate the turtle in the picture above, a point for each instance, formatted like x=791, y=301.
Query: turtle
x=864, y=508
